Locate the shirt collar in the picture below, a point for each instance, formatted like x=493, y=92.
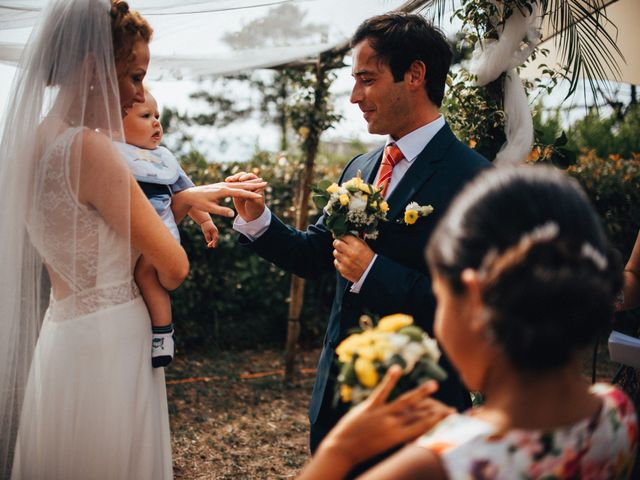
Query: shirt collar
x=413, y=143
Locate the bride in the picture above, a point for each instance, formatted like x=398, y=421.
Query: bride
x=84, y=402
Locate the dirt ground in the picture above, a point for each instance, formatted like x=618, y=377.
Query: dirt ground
x=226, y=424
x=231, y=421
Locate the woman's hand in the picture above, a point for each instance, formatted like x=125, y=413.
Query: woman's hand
x=374, y=427
x=207, y=197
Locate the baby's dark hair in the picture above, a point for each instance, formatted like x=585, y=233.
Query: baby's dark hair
x=548, y=279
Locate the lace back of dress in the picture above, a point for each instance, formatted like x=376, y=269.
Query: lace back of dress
x=65, y=91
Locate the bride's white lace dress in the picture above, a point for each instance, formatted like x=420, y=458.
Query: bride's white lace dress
x=94, y=407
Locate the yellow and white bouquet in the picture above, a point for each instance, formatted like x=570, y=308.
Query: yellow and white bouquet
x=364, y=357
x=355, y=207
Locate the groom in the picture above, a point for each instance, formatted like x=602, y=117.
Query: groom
x=400, y=64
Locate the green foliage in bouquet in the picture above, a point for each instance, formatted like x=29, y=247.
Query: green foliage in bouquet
x=365, y=357
x=355, y=207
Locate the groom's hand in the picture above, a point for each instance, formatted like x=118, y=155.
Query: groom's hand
x=352, y=256
x=248, y=209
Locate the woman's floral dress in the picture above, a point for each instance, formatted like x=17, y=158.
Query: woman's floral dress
x=602, y=447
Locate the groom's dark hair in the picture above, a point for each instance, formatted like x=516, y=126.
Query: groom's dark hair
x=402, y=38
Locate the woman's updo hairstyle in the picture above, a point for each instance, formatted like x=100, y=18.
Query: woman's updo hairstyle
x=127, y=27
x=548, y=279
x=76, y=34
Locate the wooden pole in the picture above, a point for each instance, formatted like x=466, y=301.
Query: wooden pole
x=310, y=146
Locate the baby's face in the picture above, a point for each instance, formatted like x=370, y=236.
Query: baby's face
x=142, y=125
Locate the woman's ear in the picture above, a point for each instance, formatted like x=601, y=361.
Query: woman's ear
x=473, y=289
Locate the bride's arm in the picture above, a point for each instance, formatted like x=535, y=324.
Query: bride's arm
x=107, y=185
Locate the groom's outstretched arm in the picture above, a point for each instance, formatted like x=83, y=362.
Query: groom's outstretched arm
x=306, y=254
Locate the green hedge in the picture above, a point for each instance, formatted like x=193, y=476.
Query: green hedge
x=613, y=186
x=232, y=298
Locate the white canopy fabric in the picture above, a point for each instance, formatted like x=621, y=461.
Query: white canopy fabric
x=195, y=38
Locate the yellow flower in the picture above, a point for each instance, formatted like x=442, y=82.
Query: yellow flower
x=384, y=207
x=304, y=132
x=381, y=349
x=355, y=182
x=410, y=217
x=368, y=353
x=374, y=204
x=366, y=372
x=333, y=188
x=344, y=199
x=365, y=188
x=393, y=323
x=345, y=393
x=349, y=345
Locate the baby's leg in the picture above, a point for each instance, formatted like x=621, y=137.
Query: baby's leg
x=159, y=306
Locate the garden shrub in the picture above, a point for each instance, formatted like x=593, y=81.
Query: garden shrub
x=613, y=186
x=232, y=298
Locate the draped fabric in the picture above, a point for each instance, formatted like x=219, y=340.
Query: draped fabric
x=195, y=38
x=56, y=153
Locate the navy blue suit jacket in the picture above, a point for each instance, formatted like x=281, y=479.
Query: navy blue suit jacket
x=399, y=280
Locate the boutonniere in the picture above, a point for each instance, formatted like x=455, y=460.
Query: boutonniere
x=413, y=211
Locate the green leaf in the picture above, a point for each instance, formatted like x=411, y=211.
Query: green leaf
x=561, y=141
x=339, y=226
x=413, y=332
x=348, y=374
x=430, y=369
x=323, y=185
x=564, y=158
x=320, y=201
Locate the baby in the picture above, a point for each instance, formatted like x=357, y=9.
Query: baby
x=160, y=176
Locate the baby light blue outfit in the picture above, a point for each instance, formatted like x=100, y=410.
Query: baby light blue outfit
x=159, y=174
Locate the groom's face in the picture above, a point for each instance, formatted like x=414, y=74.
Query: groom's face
x=385, y=103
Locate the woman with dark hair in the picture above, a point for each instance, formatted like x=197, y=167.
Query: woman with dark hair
x=524, y=283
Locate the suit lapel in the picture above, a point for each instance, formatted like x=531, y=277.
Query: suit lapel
x=367, y=164
x=421, y=170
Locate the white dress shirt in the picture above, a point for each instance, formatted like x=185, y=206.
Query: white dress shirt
x=410, y=145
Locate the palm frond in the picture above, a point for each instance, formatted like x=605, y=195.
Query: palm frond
x=586, y=48
x=438, y=8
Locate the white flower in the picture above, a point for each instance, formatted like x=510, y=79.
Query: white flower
x=413, y=352
x=357, y=217
x=431, y=348
x=357, y=203
x=426, y=210
x=372, y=235
x=412, y=206
x=398, y=341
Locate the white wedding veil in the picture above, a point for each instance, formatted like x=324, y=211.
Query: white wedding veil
x=64, y=100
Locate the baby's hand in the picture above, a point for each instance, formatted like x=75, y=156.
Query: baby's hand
x=210, y=232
